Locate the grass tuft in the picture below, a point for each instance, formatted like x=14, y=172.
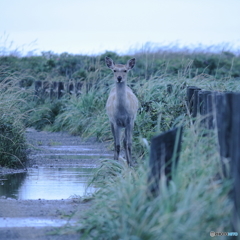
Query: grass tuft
x=195, y=203
x=12, y=139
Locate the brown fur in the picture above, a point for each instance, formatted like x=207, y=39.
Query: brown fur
x=111, y=103
x=122, y=106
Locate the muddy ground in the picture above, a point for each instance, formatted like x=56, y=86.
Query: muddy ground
x=41, y=143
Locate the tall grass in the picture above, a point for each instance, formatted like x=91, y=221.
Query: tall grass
x=197, y=200
x=42, y=116
x=159, y=110
x=195, y=203
x=12, y=129
x=84, y=115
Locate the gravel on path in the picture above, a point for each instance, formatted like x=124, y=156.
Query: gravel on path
x=40, y=144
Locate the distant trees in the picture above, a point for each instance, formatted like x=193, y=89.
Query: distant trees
x=80, y=67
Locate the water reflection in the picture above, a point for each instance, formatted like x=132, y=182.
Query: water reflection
x=47, y=183
x=33, y=222
x=9, y=184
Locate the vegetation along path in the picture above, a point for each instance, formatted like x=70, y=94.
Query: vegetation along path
x=38, y=218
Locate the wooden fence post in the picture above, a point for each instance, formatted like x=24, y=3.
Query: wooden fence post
x=235, y=159
x=54, y=90
x=46, y=89
x=71, y=88
x=222, y=111
x=210, y=110
x=223, y=121
x=190, y=95
x=38, y=88
x=191, y=99
x=202, y=105
x=199, y=102
x=202, y=101
x=60, y=89
x=164, y=155
x=169, y=88
x=78, y=88
x=205, y=101
x=223, y=115
x=195, y=102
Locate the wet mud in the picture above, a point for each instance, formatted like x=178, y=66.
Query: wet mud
x=29, y=218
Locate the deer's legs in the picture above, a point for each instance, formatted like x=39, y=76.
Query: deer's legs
x=127, y=143
x=116, y=136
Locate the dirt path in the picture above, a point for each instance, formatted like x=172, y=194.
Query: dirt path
x=43, y=144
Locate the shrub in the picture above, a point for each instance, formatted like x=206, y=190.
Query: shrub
x=12, y=141
x=43, y=115
x=12, y=145
x=195, y=203
x=81, y=115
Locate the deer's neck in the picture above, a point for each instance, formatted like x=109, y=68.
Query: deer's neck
x=121, y=94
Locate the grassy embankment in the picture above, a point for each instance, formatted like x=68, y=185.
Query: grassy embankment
x=197, y=200
x=13, y=146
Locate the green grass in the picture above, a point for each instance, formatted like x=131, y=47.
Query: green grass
x=195, y=203
x=197, y=200
x=12, y=139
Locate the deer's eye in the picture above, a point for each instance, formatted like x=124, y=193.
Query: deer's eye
x=114, y=70
x=125, y=70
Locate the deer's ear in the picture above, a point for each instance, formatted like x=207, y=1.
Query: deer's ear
x=131, y=63
x=109, y=62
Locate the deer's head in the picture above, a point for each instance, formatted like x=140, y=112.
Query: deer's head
x=120, y=71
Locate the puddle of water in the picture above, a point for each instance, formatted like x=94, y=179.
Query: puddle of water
x=73, y=156
x=47, y=183
x=69, y=148
x=32, y=222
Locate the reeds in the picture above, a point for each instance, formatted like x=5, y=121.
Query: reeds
x=12, y=129
x=195, y=203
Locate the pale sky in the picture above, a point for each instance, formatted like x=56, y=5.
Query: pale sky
x=94, y=26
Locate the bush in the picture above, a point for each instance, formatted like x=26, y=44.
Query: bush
x=81, y=115
x=43, y=115
x=12, y=141
x=195, y=203
x=197, y=199
x=12, y=145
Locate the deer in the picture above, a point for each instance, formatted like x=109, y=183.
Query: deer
x=121, y=107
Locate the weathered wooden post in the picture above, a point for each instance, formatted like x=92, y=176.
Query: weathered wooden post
x=78, y=88
x=45, y=89
x=195, y=103
x=206, y=108
x=71, y=88
x=210, y=109
x=223, y=121
x=223, y=102
x=169, y=88
x=190, y=94
x=235, y=158
x=205, y=101
x=60, y=89
x=38, y=88
x=164, y=155
x=202, y=102
x=54, y=90
x=190, y=98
